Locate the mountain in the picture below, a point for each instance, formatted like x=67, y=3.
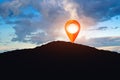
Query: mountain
x=60, y=56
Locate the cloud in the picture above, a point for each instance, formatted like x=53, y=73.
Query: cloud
x=104, y=41
x=23, y=28
x=15, y=45
x=111, y=48
x=48, y=18
x=101, y=28
x=115, y=27
x=100, y=9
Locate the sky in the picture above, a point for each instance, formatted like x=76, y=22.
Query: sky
x=31, y=23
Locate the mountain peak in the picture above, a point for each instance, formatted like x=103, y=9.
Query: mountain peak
x=63, y=47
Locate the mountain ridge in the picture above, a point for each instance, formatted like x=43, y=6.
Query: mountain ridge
x=61, y=56
x=59, y=42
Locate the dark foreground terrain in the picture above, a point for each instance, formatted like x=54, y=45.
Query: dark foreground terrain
x=59, y=56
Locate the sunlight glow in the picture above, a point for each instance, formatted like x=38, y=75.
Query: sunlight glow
x=72, y=28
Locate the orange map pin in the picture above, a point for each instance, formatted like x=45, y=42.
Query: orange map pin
x=72, y=28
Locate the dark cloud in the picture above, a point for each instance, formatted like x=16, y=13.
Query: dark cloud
x=53, y=14
x=100, y=9
x=101, y=28
x=104, y=28
x=105, y=41
x=39, y=38
x=116, y=27
x=23, y=28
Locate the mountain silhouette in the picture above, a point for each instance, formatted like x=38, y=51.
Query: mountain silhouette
x=60, y=56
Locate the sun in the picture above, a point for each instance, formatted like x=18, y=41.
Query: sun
x=72, y=28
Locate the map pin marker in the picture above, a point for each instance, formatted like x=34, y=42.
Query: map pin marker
x=72, y=28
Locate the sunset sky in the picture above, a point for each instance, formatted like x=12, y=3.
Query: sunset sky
x=31, y=23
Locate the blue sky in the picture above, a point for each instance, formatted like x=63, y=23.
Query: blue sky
x=30, y=23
